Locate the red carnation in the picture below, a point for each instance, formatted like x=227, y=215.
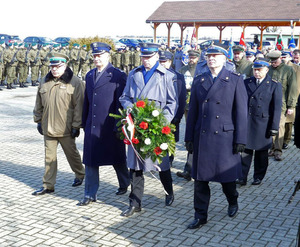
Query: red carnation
x=157, y=150
x=140, y=104
x=127, y=142
x=143, y=125
x=135, y=141
x=166, y=130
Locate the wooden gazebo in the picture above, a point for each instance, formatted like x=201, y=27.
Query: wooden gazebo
x=224, y=13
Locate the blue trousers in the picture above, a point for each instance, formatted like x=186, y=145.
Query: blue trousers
x=92, y=179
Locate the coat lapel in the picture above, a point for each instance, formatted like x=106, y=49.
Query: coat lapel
x=105, y=77
x=138, y=78
x=220, y=82
x=252, y=85
x=263, y=85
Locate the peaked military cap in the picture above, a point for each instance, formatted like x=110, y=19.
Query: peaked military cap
x=238, y=48
x=165, y=55
x=100, y=48
x=148, y=49
x=260, y=63
x=216, y=49
x=273, y=55
x=250, y=53
x=57, y=58
x=76, y=45
x=194, y=53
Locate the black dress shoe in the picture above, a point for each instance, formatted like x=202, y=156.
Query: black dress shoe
x=184, y=175
x=285, y=146
x=121, y=191
x=241, y=182
x=130, y=211
x=42, y=191
x=196, y=223
x=169, y=199
x=256, y=181
x=77, y=182
x=85, y=201
x=232, y=210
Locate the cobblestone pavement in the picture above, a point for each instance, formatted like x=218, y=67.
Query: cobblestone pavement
x=264, y=218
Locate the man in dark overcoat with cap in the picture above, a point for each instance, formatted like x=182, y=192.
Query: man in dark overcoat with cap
x=102, y=147
x=216, y=132
x=264, y=109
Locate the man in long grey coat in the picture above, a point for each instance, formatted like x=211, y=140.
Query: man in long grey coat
x=152, y=81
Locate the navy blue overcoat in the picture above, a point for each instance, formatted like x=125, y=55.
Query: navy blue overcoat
x=217, y=119
x=264, y=110
x=181, y=95
x=101, y=146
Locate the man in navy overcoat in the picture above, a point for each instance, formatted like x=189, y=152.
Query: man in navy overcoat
x=104, y=86
x=216, y=133
x=264, y=109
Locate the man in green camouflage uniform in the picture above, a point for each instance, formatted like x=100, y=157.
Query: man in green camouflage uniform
x=34, y=60
x=84, y=61
x=22, y=66
x=45, y=63
x=125, y=60
x=10, y=59
x=284, y=74
x=137, y=57
x=75, y=58
x=2, y=48
x=116, y=58
x=242, y=65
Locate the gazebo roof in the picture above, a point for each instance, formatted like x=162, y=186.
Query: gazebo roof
x=228, y=12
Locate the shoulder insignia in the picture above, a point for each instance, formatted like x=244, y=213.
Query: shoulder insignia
x=274, y=81
x=235, y=73
x=227, y=78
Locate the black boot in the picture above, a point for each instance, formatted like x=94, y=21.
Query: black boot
x=12, y=87
x=24, y=85
x=2, y=83
x=8, y=86
x=21, y=84
x=33, y=84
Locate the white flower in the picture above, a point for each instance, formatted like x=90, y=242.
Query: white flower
x=164, y=146
x=155, y=113
x=142, y=150
x=147, y=141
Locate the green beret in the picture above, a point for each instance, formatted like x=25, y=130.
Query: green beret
x=1, y=42
x=238, y=48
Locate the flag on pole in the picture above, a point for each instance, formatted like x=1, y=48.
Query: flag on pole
x=279, y=44
x=194, y=40
x=242, y=40
x=230, y=51
x=292, y=43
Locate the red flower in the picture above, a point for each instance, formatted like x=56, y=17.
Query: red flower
x=127, y=142
x=143, y=125
x=140, y=104
x=157, y=150
x=166, y=130
x=135, y=141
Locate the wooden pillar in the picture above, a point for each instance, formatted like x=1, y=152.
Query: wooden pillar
x=182, y=28
x=169, y=25
x=197, y=27
x=221, y=28
x=155, y=27
x=261, y=28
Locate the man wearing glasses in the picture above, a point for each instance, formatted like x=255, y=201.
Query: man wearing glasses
x=57, y=112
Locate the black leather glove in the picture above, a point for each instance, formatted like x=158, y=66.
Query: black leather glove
x=75, y=132
x=238, y=148
x=39, y=128
x=175, y=121
x=273, y=132
x=189, y=147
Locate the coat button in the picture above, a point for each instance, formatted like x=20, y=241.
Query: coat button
x=95, y=94
x=218, y=102
x=217, y=117
x=94, y=126
x=94, y=115
x=203, y=131
x=204, y=116
x=216, y=132
x=206, y=100
x=94, y=104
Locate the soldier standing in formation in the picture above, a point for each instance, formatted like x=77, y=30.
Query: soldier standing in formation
x=9, y=58
x=125, y=60
x=75, y=58
x=22, y=65
x=34, y=60
x=44, y=68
